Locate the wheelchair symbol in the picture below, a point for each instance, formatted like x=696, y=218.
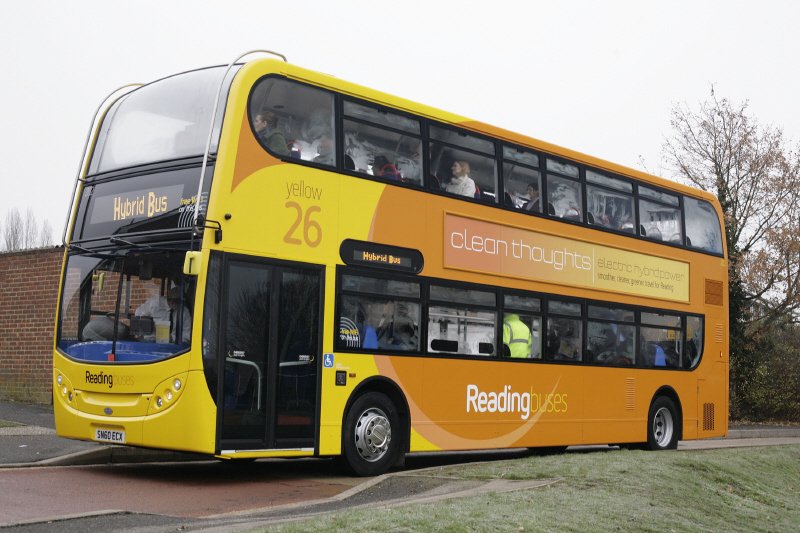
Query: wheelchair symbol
x=328, y=360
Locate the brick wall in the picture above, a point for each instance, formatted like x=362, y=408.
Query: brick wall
x=28, y=294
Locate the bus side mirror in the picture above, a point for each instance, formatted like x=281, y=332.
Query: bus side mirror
x=191, y=264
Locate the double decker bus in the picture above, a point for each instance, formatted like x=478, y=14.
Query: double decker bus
x=265, y=261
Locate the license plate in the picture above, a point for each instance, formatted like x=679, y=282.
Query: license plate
x=109, y=435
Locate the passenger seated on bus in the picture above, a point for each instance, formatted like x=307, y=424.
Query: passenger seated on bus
x=325, y=150
x=396, y=329
x=368, y=332
x=383, y=168
x=266, y=125
x=295, y=151
x=572, y=213
x=533, y=198
x=626, y=225
x=460, y=183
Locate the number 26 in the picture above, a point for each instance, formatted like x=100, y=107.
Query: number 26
x=312, y=231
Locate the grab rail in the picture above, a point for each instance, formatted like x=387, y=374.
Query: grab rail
x=214, y=119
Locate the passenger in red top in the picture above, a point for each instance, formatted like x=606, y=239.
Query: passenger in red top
x=383, y=168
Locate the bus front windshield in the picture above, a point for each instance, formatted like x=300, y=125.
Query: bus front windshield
x=132, y=308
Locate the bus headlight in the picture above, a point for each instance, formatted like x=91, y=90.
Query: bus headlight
x=63, y=385
x=167, y=393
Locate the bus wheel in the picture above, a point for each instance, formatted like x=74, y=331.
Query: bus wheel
x=662, y=425
x=371, y=435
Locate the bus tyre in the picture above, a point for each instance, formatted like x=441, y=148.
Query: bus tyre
x=371, y=438
x=662, y=425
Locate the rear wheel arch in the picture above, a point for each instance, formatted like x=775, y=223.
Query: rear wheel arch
x=670, y=393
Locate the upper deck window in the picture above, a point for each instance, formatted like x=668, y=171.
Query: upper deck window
x=382, y=144
x=564, y=196
x=294, y=120
x=660, y=219
x=521, y=179
x=609, y=202
x=702, y=226
x=463, y=165
x=167, y=119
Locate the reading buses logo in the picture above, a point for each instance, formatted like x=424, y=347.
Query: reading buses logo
x=510, y=401
x=101, y=378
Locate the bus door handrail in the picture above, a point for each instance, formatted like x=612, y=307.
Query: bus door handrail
x=258, y=372
x=207, y=151
x=94, y=126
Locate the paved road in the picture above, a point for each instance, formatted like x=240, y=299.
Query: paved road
x=157, y=496
x=185, y=490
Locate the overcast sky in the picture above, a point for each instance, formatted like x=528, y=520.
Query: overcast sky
x=598, y=77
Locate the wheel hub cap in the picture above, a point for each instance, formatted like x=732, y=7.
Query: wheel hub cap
x=373, y=435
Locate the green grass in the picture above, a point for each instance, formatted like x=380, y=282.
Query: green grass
x=8, y=424
x=743, y=489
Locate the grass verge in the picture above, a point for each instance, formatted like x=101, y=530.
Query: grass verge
x=742, y=489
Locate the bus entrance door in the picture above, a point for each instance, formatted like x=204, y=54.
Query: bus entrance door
x=271, y=317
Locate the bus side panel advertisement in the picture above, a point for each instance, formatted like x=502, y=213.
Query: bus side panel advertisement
x=484, y=407
x=497, y=249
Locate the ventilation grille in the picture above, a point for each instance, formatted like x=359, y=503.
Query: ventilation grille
x=713, y=292
x=708, y=417
x=630, y=394
x=719, y=333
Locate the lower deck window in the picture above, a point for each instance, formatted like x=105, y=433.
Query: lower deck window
x=373, y=323
x=461, y=331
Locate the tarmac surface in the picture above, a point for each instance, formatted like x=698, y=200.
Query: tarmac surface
x=28, y=439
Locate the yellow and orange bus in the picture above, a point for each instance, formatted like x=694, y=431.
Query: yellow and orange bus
x=265, y=261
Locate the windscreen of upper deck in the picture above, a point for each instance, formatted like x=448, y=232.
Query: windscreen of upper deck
x=146, y=166
x=164, y=120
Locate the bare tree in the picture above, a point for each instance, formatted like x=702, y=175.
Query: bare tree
x=20, y=233
x=12, y=233
x=30, y=230
x=722, y=149
x=45, y=234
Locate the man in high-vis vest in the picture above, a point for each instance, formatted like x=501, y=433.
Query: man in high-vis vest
x=516, y=336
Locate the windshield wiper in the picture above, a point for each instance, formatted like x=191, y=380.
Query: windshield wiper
x=104, y=255
x=117, y=240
